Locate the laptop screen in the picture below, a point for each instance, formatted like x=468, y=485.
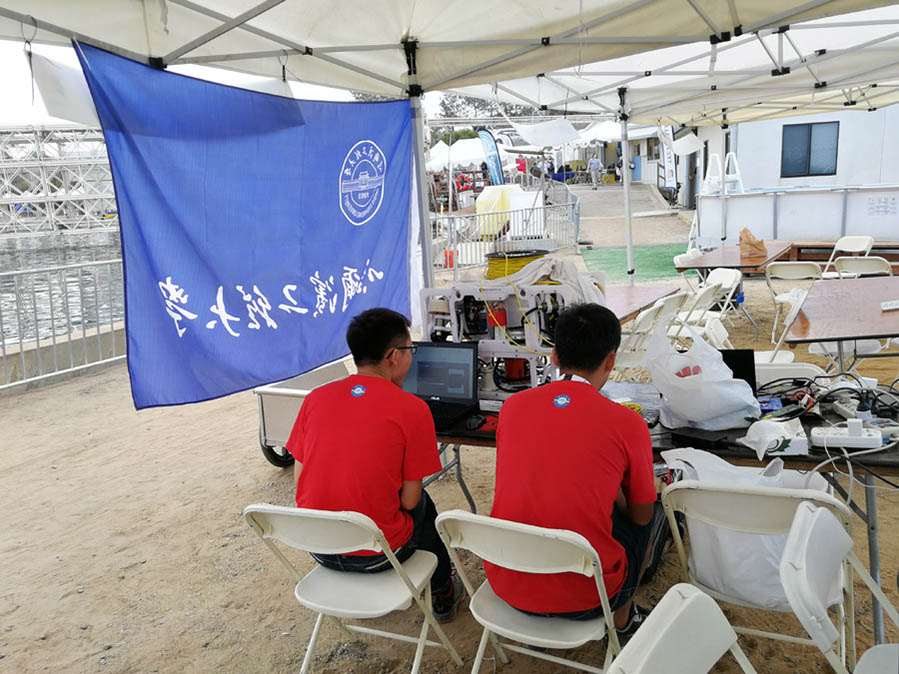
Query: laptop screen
x=445, y=372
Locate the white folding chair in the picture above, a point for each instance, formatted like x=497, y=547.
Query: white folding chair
x=795, y=298
x=848, y=244
x=686, y=633
x=788, y=271
x=814, y=559
x=683, y=260
x=871, y=265
x=857, y=349
x=341, y=595
x=695, y=315
x=523, y=547
x=754, y=510
x=729, y=280
x=766, y=372
x=630, y=353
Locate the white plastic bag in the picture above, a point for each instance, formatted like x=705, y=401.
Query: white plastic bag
x=697, y=388
x=735, y=563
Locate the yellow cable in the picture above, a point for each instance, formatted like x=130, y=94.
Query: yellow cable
x=521, y=308
x=501, y=327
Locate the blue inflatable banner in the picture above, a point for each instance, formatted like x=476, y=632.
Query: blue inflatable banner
x=254, y=227
x=493, y=162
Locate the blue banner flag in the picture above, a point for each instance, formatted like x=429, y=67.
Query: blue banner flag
x=254, y=227
x=492, y=154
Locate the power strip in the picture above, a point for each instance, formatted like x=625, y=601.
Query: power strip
x=835, y=436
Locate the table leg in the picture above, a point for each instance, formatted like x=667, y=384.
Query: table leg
x=842, y=359
x=462, y=485
x=873, y=553
x=455, y=462
x=750, y=319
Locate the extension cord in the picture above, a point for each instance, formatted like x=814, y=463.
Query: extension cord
x=834, y=436
x=845, y=409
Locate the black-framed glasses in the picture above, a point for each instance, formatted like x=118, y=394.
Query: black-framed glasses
x=412, y=348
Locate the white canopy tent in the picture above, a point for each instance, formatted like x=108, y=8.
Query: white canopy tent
x=405, y=49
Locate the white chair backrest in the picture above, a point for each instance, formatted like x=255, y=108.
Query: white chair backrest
x=850, y=244
x=810, y=569
x=870, y=265
x=685, y=633
x=702, y=302
x=766, y=372
x=748, y=508
x=646, y=319
x=793, y=270
x=320, y=531
x=726, y=278
x=854, y=244
x=669, y=306
x=520, y=547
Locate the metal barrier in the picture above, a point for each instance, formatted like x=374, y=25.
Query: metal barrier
x=463, y=241
x=60, y=320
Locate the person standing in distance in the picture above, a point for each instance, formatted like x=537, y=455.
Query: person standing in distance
x=363, y=444
x=595, y=168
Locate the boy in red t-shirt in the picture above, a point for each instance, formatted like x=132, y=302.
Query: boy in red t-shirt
x=363, y=444
x=569, y=458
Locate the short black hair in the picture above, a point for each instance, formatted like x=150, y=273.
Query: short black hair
x=585, y=334
x=374, y=332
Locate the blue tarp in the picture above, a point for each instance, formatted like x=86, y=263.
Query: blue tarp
x=254, y=227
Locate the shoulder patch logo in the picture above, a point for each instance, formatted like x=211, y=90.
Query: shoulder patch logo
x=357, y=391
x=561, y=401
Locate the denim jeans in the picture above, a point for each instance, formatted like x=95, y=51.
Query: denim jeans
x=424, y=537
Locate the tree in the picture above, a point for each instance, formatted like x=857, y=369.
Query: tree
x=450, y=136
x=364, y=97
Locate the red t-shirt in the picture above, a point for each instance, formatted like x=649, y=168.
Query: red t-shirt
x=358, y=440
x=563, y=451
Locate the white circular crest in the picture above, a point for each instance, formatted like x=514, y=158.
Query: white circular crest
x=362, y=182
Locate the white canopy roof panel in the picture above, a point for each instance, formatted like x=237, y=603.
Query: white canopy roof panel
x=384, y=46
x=825, y=65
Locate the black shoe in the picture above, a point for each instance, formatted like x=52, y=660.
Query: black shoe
x=637, y=617
x=445, y=604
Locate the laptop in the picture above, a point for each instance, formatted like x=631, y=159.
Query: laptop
x=445, y=376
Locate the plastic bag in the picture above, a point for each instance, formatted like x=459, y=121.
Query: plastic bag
x=735, y=563
x=697, y=388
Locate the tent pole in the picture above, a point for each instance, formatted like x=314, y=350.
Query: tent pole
x=626, y=182
x=423, y=216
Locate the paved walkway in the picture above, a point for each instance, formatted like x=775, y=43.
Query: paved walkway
x=602, y=217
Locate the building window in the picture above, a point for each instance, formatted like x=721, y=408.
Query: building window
x=652, y=148
x=809, y=149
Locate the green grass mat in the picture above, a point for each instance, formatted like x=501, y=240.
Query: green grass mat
x=651, y=262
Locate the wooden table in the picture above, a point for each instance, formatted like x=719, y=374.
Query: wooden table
x=846, y=310
x=729, y=257
x=629, y=300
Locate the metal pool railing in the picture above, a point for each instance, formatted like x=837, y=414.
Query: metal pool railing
x=60, y=320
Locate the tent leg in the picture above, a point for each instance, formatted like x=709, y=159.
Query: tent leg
x=423, y=215
x=626, y=182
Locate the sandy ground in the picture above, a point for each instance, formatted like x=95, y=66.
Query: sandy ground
x=124, y=549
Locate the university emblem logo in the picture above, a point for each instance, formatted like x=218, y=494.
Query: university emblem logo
x=362, y=182
x=561, y=401
x=357, y=390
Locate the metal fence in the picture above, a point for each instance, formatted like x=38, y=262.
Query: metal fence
x=55, y=179
x=462, y=241
x=60, y=320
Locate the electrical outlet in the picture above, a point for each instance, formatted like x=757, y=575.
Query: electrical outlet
x=836, y=436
